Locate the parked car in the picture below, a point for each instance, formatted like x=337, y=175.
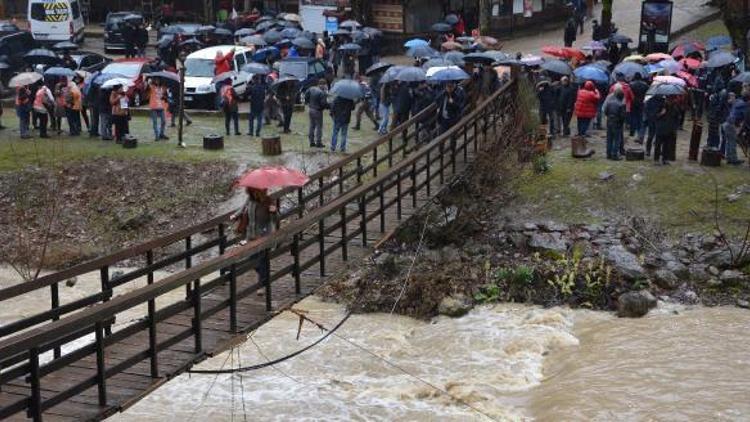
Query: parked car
x=89, y=61
x=12, y=49
x=307, y=69
x=51, y=22
x=188, y=29
x=200, y=91
x=132, y=69
x=112, y=31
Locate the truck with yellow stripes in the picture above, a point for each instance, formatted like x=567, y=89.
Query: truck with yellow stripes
x=52, y=21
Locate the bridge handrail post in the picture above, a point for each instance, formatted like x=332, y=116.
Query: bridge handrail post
x=398, y=195
x=265, y=258
x=35, y=400
x=295, y=268
x=54, y=304
x=152, y=346
x=322, y=246
x=344, y=249
x=197, y=323
x=101, y=370
x=381, y=195
x=188, y=262
x=363, y=220
x=233, y=298
x=106, y=291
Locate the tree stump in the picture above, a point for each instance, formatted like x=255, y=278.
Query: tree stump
x=271, y=145
x=635, y=154
x=213, y=142
x=129, y=142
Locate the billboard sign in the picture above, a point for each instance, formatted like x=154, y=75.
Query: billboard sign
x=656, y=26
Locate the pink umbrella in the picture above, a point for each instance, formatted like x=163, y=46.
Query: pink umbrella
x=271, y=177
x=670, y=80
x=657, y=57
x=689, y=78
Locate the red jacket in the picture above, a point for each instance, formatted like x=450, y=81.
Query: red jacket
x=587, y=101
x=223, y=63
x=629, y=96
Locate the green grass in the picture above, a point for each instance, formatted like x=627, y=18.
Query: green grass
x=679, y=197
x=706, y=31
x=16, y=153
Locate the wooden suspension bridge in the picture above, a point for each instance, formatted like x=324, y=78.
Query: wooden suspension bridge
x=91, y=357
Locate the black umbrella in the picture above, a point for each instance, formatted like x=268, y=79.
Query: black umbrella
x=455, y=57
x=499, y=56
x=359, y=36
x=422, y=51
x=720, y=59
x=288, y=24
x=285, y=79
x=743, y=78
x=372, y=32
x=206, y=29
x=170, y=76
x=172, y=29
x=351, y=47
x=665, y=89
x=165, y=41
x=377, y=67
x=291, y=33
x=4, y=66
x=264, y=26
x=192, y=42
x=451, y=19
x=256, y=69
x=65, y=45
x=222, y=32
x=347, y=88
x=350, y=24
x=391, y=73
x=304, y=43
x=243, y=32
x=442, y=27
x=620, y=38
x=341, y=32
x=629, y=69
x=411, y=74
x=478, y=58
x=41, y=56
x=133, y=18
x=309, y=35
x=437, y=62
x=273, y=36
x=255, y=40
x=557, y=66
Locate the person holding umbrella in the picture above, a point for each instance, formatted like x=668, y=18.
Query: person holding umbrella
x=223, y=62
x=141, y=40
x=255, y=216
x=667, y=123
x=285, y=93
x=346, y=91
x=614, y=109
x=43, y=103
x=72, y=96
x=586, y=105
x=316, y=99
x=257, y=93
x=156, y=98
x=118, y=99
x=451, y=105
x=365, y=106
x=229, y=105
x=732, y=127
x=566, y=101
x=23, y=110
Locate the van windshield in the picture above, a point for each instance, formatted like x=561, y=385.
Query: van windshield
x=199, y=68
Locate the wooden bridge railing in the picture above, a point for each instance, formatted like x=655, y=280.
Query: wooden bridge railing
x=213, y=237
x=303, y=236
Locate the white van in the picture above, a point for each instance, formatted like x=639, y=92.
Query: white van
x=52, y=21
x=200, y=92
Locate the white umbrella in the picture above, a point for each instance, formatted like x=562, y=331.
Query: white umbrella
x=23, y=79
x=117, y=81
x=433, y=70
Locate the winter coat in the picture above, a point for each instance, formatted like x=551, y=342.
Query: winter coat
x=450, y=106
x=423, y=97
x=547, y=95
x=403, y=101
x=614, y=109
x=566, y=98
x=625, y=90
x=570, y=32
x=639, y=89
x=223, y=63
x=587, y=101
x=257, y=96
x=316, y=99
x=341, y=110
x=668, y=122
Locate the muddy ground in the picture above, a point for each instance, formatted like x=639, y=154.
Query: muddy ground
x=85, y=209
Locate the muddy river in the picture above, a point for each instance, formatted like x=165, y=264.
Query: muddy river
x=505, y=362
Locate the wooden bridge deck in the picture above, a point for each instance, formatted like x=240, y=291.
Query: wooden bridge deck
x=110, y=367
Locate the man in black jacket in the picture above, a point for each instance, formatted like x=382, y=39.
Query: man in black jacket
x=570, y=32
x=639, y=88
x=566, y=102
x=450, y=106
x=316, y=99
x=614, y=109
x=402, y=104
x=341, y=111
x=547, y=95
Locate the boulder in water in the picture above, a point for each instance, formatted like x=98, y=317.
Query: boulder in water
x=635, y=304
x=455, y=305
x=665, y=279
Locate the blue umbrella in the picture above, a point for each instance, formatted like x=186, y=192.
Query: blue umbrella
x=411, y=74
x=653, y=68
x=273, y=36
x=59, y=71
x=255, y=40
x=222, y=32
x=498, y=56
x=359, y=36
x=391, y=73
x=304, y=43
x=620, y=38
x=243, y=32
x=266, y=53
x=285, y=43
x=422, y=51
x=340, y=32
x=437, y=62
x=591, y=73
x=290, y=33
x=455, y=57
x=351, y=47
x=557, y=66
x=450, y=74
x=347, y=88
x=256, y=69
x=478, y=58
x=415, y=42
x=451, y=19
x=720, y=59
x=442, y=27
x=719, y=41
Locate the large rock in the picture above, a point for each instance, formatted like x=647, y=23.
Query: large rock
x=552, y=226
x=732, y=277
x=677, y=268
x=720, y=258
x=665, y=279
x=548, y=242
x=625, y=262
x=455, y=305
x=635, y=304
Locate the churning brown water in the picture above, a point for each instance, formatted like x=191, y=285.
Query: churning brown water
x=508, y=362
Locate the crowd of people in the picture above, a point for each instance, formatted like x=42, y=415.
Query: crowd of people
x=608, y=86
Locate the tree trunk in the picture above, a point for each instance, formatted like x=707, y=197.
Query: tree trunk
x=362, y=11
x=484, y=17
x=606, y=20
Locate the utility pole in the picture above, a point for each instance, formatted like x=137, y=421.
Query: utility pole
x=181, y=106
x=484, y=17
x=606, y=18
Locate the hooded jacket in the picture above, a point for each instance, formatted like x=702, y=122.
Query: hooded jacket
x=587, y=101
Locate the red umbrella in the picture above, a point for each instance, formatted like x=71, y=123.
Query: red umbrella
x=272, y=177
x=689, y=78
x=574, y=53
x=690, y=63
x=686, y=48
x=554, y=51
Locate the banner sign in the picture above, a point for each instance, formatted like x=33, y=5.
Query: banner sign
x=656, y=26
